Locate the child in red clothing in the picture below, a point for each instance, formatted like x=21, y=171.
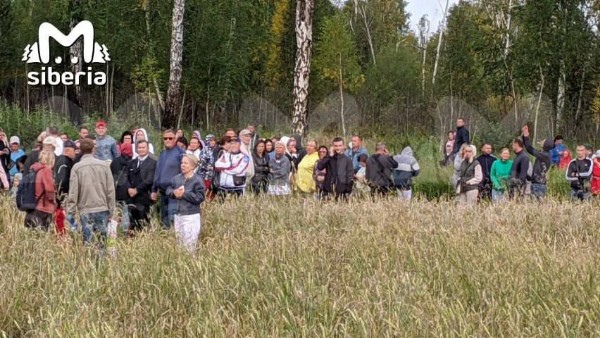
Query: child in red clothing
x=565, y=160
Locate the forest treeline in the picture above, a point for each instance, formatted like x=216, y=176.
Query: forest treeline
x=501, y=62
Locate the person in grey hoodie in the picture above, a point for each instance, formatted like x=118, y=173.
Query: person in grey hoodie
x=279, y=172
x=407, y=168
x=543, y=162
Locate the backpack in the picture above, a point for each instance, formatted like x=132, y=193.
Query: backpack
x=26, y=199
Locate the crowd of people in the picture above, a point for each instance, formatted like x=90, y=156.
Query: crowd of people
x=484, y=177
x=100, y=179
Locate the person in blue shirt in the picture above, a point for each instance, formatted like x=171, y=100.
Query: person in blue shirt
x=558, y=150
x=355, y=151
x=106, y=146
x=167, y=167
x=15, y=154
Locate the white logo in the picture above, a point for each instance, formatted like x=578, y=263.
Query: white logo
x=39, y=52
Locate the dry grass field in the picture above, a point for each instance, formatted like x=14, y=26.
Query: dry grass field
x=293, y=267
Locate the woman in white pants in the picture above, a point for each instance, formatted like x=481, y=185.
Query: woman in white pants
x=187, y=193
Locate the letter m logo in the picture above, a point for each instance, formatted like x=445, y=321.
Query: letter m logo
x=39, y=52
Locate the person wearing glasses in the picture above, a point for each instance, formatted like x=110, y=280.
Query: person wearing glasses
x=470, y=175
x=167, y=167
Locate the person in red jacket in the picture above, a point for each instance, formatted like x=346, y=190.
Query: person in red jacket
x=41, y=216
x=565, y=159
x=596, y=175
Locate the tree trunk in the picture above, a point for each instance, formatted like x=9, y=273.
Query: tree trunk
x=74, y=92
x=342, y=113
x=423, y=32
x=560, y=97
x=363, y=13
x=173, y=102
x=439, y=46
x=304, y=16
x=537, y=108
x=581, y=93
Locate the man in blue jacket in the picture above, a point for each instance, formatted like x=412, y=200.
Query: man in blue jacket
x=355, y=151
x=167, y=167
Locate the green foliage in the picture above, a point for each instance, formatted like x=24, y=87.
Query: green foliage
x=335, y=56
x=29, y=126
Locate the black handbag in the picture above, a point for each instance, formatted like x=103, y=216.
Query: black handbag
x=239, y=180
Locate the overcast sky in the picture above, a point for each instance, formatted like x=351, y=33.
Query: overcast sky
x=433, y=8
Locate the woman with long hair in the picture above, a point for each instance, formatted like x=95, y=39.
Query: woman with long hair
x=269, y=148
x=260, y=180
x=499, y=174
x=470, y=175
x=45, y=193
x=319, y=175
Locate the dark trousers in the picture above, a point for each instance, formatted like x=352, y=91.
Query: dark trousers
x=139, y=216
x=259, y=187
x=378, y=191
x=223, y=193
x=36, y=219
x=337, y=196
x=166, y=215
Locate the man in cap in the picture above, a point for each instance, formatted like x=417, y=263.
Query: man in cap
x=42, y=143
x=15, y=154
x=106, y=146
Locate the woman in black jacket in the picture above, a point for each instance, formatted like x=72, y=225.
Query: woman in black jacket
x=119, y=169
x=260, y=180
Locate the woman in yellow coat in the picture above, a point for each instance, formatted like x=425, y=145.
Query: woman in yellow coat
x=305, y=181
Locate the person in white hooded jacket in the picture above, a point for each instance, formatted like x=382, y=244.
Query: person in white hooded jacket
x=139, y=135
x=232, y=167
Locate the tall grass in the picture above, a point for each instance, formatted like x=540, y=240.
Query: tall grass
x=292, y=267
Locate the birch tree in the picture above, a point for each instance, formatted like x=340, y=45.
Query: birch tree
x=423, y=34
x=304, y=38
x=74, y=92
x=173, y=101
x=439, y=46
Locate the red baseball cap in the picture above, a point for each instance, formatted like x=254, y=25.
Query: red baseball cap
x=101, y=123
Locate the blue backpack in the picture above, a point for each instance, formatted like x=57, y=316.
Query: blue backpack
x=26, y=199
